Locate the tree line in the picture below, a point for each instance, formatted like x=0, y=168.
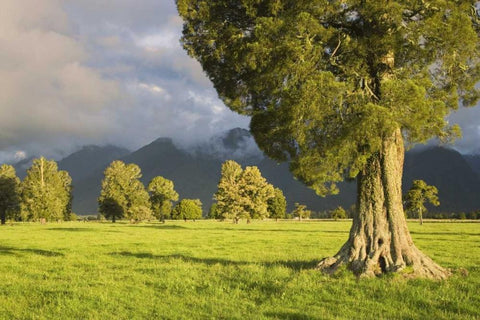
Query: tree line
x=45, y=194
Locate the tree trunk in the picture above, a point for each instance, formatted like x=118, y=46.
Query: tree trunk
x=3, y=217
x=379, y=240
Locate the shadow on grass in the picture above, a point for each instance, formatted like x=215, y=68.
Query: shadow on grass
x=72, y=229
x=288, y=315
x=291, y=264
x=160, y=226
x=46, y=253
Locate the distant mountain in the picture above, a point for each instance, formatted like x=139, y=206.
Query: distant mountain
x=474, y=161
x=80, y=164
x=458, y=184
x=22, y=166
x=196, y=171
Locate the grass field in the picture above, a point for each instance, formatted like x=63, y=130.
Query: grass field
x=217, y=270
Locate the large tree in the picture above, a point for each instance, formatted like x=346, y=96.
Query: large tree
x=337, y=87
x=123, y=195
x=162, y=193
x=9, y=192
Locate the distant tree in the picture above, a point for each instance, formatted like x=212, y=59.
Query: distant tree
x=123, y=195
x=46, y=193
x=162, y=193
x=338, y=213
x=417, y=195
x=230, y=202
x=256, y=192
x=277, y=205
x=212, y=212
x=9, y=192
x=301, y=211
x=68, y=215
x=242, y=194
x=188, y=209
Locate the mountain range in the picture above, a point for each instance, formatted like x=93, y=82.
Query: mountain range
x=195, y=172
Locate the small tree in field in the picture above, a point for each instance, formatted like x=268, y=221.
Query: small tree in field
x=228, y=196
x=301, y=211
x=338, y=213
x=277, y=205
x=212, y=212
x=255, y=191
x=162, y=193
x=9, y=192
x=123, y=195
x=46, y=192
x=188, y=209
x=419, y=193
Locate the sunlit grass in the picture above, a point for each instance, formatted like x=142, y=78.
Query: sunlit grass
x=218, y=270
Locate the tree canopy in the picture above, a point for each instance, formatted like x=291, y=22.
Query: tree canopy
x=277, y=205
x=326, y=81
x=9, y=192
x=242, y=193
x=419, y=193
x=188, y=209
x=162, y=193
x=123, y=195
x=46, y=192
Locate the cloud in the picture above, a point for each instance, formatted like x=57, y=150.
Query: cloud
x=468, y=118
x=100, y=71
x=48, y=91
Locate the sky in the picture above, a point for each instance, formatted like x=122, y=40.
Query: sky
x=80, y=72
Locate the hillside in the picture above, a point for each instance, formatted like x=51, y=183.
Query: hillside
x=196, y=172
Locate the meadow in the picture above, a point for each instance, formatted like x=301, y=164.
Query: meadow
x=218, y=270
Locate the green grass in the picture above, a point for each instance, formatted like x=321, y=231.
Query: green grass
x=217, y=270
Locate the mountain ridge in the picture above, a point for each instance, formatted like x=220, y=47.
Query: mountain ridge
x=196, y=172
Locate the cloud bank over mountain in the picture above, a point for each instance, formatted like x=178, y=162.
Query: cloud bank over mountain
x=74, y=73
x=97, y=72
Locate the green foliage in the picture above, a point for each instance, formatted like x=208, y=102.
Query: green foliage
x=123, y=195
x=256, y=192
x=212, y=212
x=417, y=195
x=277, y=205
x=188, y=209
x=326, y=81
x=242, y=193
x=228, y=195
x=301, y=211
x=9, y=193
x=338, y=213
x=162, y=194
x=46, y=193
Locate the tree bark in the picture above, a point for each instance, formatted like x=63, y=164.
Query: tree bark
x=379, y=240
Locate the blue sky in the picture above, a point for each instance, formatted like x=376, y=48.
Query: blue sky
x=77, y=72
